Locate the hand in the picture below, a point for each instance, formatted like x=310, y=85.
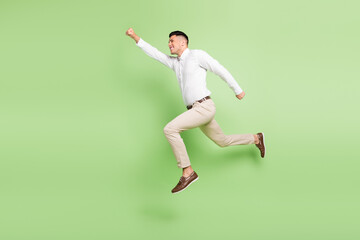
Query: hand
x=130, y=32
x=241, y=95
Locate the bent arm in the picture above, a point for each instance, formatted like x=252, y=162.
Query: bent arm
x=209, y=63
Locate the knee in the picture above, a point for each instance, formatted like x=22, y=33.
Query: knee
x=222, y=142
x=169, y=129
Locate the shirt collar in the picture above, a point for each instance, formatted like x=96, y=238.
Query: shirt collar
x=184, y=54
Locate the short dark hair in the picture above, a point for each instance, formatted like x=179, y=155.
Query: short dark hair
x=179, y=33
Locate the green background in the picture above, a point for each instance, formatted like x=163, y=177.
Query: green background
x=82, y=109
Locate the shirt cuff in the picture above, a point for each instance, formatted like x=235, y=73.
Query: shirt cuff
x=140, y=43
x=238, y=91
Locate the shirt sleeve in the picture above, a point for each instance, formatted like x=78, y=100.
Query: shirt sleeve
x=209, y=63
x=156, y=54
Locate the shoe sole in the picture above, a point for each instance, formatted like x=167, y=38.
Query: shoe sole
x=187, y=186
x=264, y=144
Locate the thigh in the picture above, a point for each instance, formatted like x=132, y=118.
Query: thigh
x=200, y=114
x=212, y=130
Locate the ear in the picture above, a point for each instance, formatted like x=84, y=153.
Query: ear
x=183, y=43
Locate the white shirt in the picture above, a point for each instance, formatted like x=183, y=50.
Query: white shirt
x=190, y=69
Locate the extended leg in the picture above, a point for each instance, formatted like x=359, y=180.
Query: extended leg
x=213, y=131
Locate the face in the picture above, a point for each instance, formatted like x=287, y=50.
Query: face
x=176, y=44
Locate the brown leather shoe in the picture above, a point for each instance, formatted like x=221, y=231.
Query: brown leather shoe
x=261, y=144
x=185, y=182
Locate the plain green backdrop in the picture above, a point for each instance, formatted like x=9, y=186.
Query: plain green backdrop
x=82, y=111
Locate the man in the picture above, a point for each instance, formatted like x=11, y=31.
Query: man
x=190, y=67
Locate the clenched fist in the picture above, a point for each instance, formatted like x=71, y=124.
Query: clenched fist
x=130, y=32
x=241, y=95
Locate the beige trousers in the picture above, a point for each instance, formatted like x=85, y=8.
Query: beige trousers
x=200, y=115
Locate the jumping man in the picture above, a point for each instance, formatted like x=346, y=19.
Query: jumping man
x=190, y=67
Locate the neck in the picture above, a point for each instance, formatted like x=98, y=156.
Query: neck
x=181, y=52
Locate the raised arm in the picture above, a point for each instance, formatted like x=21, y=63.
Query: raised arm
x=150, y=50
x=209, y=63
x=130, y=32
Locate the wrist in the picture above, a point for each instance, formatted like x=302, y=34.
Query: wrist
x=136, y=38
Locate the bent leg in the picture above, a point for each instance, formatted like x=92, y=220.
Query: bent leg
x=199, y=115
x=213, y=131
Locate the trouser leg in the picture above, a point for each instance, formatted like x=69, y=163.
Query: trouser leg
x=200, y=114
x=213, y=131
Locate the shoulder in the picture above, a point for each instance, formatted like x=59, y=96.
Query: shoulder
x=198, y=52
